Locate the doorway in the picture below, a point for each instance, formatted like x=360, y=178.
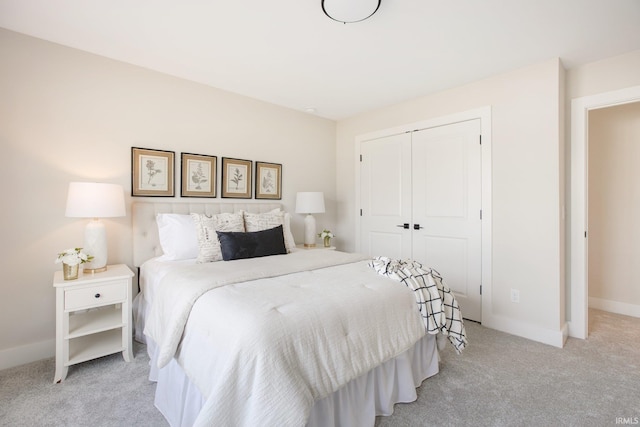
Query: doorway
x=579, y=283
x=613, y=209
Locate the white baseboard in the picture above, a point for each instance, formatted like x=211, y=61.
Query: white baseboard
x=17, y=356
x=615, y=306
x=527, y=330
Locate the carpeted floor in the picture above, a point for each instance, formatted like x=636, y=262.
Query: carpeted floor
x=500, y=380
x=102, y=392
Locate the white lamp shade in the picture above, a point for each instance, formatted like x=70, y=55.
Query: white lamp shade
x=95, y=200
x=310, y=202
x=350, y=10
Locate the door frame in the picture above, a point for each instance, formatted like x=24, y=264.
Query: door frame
x=484, y=114
x=579, y=251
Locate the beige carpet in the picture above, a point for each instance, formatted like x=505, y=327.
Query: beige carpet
x=500, y=380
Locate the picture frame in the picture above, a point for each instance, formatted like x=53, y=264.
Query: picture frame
x=236, y=178
x=152, y=172
x=268, y=183
x=198, y=175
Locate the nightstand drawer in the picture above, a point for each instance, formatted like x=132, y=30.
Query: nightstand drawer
x=99, y=295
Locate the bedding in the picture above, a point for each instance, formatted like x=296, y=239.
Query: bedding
x=206, y=227
x=275, y=340
x=263, y=221
x=178, y=238
x=438, y=307
x=290, y=332
x=238, y=245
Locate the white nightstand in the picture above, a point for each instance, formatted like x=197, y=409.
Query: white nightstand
x=93, y=317
x=302, y=246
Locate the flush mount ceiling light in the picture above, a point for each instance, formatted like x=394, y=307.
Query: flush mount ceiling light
x=349, y=11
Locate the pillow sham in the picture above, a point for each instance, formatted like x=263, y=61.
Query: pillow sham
x=271, y=219
x=177, y=235
x=242, y=245
x=289, y=241
x=206, y=227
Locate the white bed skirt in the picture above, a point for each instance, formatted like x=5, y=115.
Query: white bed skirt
x=355, y=404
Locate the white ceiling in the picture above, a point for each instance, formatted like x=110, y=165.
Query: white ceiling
x=289, y=53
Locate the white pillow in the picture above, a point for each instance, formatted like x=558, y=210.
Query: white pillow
x=274, y=218
x=206, y=227
x=289, y=241
x=177, y=235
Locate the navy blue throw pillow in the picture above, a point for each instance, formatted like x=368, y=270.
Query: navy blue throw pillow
x=238, y=245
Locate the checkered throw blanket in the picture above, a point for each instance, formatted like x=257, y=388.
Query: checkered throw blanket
x=438, y=306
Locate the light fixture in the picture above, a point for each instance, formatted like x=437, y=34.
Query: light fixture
x=349, y=11
x=309, y=203
x=95, y=200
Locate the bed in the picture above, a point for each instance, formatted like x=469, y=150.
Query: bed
x=301, y=337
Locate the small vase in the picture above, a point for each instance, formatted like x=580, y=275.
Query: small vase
x=70, y=272
x=327, y=242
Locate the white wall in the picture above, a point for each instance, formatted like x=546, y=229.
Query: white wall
x=527, y=177
x=614, y=207
x=66, y=115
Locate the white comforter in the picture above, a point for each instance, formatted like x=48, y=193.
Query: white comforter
x=282, y=341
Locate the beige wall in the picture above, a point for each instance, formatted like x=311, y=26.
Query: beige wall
x=527, y=185
x=605, y=76
x=66, y=115
x=614, y=205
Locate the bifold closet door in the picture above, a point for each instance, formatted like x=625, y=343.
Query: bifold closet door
x=446, y=208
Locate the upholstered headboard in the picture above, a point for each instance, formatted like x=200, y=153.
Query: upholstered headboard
x=146, y=243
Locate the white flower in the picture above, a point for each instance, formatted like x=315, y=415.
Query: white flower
x=326, y=233
x=73, y=256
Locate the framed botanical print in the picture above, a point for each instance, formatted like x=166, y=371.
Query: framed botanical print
x=268, y=180
x=152, y=172
x=198, y=175
x=236, y=178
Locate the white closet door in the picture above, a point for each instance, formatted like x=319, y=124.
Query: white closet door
x=385, y=196
x=446, y=194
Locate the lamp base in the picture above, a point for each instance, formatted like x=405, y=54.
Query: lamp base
x=95, y=244
x=309, y=231
x=95, y=270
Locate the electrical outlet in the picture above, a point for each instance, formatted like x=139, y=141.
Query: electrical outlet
x=515, y=295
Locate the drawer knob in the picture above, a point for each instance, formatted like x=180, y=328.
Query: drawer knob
x=97, y=295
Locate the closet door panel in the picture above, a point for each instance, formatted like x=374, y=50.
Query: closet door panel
x=446, y=195
x=385, y=196
x=449, y=254
x=440, y=178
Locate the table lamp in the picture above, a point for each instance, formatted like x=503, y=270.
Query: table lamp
x=310, y=203
x=95, y=200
